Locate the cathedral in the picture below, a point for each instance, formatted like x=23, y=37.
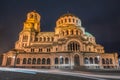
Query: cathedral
x=68, y=47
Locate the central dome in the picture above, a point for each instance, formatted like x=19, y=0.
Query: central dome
x=68, y=19
x=68, y=14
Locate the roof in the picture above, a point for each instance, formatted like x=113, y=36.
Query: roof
x=88, y=34
x=48, y=34
x=68, y=14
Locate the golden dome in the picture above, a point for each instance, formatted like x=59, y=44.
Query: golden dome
x=68, y=19
x=67, y=15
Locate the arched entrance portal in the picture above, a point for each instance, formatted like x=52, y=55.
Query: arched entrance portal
x=76, y=60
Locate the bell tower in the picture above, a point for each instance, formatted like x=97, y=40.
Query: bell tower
x=32, y=22
x=31, y=28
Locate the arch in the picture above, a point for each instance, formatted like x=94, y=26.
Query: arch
x=63, y=33
x=43, y=61
x=96, y=60
x=40, y=49
x=91, y=60
x=24, y=61
x=111, y=62
x=73, y=20
x=32, y=49
x=48, y=39
x=65, y=20
x=48, y=61
x=56, y=60
x=62, y=21
x=52, y=39
x=25, y=38
x=76, y=21
x=18, y=61
x=69, y=19
x=40, y=39
x=67, y=33
x=44, y=38
x=107, y=61
x=72, y=32
x=86, y=60
x=38, y=61
x=29, y=60
x=34, y=61
x=76, y=60
x=9, y=59
x=73, y=46
x=66, y=60
x=61, y=60
x=76, y=32
x=103, y=61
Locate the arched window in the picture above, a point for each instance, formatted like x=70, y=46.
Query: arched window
x=40, y=39
x=38, y=61
x=91, y=60
x=61, y=60
x=52, y=39
x=24, y=60
x=32, y=49
x=36, y=39
x=48, y=49
x=72, y=32
x=44, y=38
x=111, y=62
x=43, y=61
x=65, y=20
x=18, y=61
x=61, y=21
x=73, y=46
x=40, y=49
x=66, y=61
x=107, y=61
x=76, y=21
x=103, y=61
x=31, y=15
x=29, y=60
x=48, y=39
x=8, y=61
x=76, y=32
x=56, y=60
x=63, y=33
x=67, y=32
x=34, y=61
x=86, y=61
x=73, y=20
x=96, y=60
x=69, y=20
x=48, y=61
x=25, y=38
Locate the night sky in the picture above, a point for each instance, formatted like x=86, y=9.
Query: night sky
x=99, y=17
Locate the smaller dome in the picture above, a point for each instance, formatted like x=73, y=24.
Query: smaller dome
x=88, y=34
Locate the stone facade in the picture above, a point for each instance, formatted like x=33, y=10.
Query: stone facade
x=69, y=46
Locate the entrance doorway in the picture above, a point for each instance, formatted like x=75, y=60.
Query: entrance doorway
x=76, y=60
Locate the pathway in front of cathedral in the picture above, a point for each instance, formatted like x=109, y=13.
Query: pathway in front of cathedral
x=38, y=74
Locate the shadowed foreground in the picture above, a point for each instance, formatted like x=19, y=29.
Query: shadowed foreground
x=39, y=76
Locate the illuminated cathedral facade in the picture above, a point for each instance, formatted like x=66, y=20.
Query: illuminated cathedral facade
x=69, y=46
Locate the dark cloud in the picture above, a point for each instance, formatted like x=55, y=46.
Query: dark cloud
x=100, y=17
